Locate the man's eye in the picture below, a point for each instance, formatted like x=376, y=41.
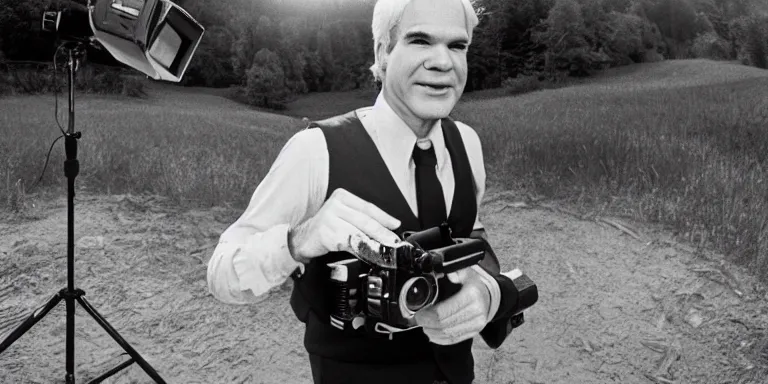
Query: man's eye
x=419, y=41
x=460, y=47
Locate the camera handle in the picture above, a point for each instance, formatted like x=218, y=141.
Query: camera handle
x=463, y=253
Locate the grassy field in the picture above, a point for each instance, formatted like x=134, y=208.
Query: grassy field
x=683, y=143
x=678, y=142
x=195, y=148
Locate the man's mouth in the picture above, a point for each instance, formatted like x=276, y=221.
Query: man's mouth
x=434, y=86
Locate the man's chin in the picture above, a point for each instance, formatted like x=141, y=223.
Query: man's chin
x=433, y=109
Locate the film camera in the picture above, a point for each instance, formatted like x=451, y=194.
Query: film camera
x=391, y=284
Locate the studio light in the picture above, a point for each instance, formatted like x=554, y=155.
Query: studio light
x=155, y=37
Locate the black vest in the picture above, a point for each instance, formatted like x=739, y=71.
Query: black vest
x=356, y=165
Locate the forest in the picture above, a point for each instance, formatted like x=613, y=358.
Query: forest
x=275, y=50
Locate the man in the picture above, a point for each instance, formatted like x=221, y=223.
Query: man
x=367, y=176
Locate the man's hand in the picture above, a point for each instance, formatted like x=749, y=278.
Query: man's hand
x=461, y=316
x=341, y=223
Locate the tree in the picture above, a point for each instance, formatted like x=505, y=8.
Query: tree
x=595, y=21
x=711, y=46
x=242, y=51
x=349, y=52
x=250, y=39
x=757, y=42
x=313, y=71
x=21, y=32
x=564, y=35
x=622, y=38
x=326, y=59
x=750, y=36
x=266, y=33
x=678, y=22
x=526, y=56
x=265, y=84
x=488, y=59
x=211, y=67
x=292, y=54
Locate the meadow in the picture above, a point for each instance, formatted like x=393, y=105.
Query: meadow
x=683, y=143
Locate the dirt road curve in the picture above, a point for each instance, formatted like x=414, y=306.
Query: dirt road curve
x=613, y=308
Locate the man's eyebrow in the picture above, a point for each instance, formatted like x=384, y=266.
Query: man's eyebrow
x=417, y=35
x=423, y=35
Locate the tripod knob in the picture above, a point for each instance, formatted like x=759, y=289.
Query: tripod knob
x=71, y=165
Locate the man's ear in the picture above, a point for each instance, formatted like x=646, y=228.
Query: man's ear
x=383, y=57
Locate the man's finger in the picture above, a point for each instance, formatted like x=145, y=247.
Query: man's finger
x=347, y=236
x=453, y=304
x=440, y=338
x=471, y=325
x=446, y=313
x=460, y=276
x=427, y=318
x=367, y=225
x=359, y=205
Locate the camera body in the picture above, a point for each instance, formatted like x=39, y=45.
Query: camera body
x=407, y=281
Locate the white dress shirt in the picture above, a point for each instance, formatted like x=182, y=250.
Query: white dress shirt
x=252, y=255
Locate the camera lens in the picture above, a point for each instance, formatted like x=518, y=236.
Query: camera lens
x=417, y=293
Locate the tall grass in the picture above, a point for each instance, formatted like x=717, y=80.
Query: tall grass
x=692, y=153
x=683, y=143
x=191, y=148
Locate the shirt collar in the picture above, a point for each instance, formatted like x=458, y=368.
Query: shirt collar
x=396, y=140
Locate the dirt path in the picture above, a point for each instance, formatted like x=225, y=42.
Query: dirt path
x=612, y=308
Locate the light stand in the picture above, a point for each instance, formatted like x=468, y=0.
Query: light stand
x=72, y=294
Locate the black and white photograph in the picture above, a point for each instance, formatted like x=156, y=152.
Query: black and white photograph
x=384, y=191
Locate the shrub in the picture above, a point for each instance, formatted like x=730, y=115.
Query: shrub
x=37, y=78
x=710, y=45
x=521, y=84
x=31, y=78
x=265, y=85
x=5, y=86
x=133, y=87
x=751, y=35
x=652, y=56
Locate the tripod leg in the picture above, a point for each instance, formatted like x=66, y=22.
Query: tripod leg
x=112, y=332
x=112, y=371
x=69, y=299
x=30, y=321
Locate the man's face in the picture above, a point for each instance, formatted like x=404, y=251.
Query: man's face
x=427, y=68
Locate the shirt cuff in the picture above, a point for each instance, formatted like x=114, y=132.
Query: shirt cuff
x=493, y=289
x=267, y=266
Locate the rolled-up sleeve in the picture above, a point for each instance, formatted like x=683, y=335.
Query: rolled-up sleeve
x=252, y=254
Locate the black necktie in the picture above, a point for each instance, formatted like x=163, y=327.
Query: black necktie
x=429, y=192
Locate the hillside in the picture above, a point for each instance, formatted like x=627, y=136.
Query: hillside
x=682, y=143
x=626, y=294
x=634, y=78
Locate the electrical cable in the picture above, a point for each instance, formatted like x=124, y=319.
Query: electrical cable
x=56, y=116
x=56, y=90
x=46, y=164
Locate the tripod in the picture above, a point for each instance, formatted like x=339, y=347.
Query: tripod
x=72, y=294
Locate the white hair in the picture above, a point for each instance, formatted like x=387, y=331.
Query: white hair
x=386, y=17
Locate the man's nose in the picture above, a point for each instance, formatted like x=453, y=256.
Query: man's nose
x=439, y=59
